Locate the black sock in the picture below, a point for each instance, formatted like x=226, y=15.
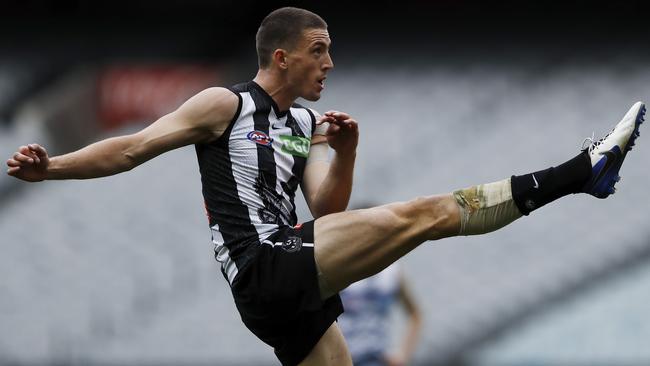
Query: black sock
x=532, y=191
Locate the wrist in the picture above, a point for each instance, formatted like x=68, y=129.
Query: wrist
x=51, y=169
x=345, y=155
x=343, y=161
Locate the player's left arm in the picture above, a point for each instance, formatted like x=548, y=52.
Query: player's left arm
x=327, y=184
x=412, y=335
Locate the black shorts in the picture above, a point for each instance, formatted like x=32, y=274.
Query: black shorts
x=278, y=296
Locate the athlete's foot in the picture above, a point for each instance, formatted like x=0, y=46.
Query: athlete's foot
x=608, y=153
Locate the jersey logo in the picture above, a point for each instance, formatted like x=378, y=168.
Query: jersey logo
x=260, y=137
x=295, y=145
x=292, y=244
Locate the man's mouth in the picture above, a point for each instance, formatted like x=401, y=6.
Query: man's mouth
x=321, y=81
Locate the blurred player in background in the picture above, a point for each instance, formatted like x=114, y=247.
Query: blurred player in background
x=255, y=147
x=365, y=322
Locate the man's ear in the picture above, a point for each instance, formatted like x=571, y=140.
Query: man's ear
x=280, y=58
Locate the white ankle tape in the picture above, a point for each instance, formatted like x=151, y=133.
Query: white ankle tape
x=485, y=208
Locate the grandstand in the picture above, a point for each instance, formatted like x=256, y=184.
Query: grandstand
x=120, y=270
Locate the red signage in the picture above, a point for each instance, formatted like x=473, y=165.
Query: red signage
x=140, y=93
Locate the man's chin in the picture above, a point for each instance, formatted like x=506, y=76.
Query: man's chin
x=312, y=97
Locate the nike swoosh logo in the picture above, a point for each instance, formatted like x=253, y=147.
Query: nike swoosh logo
x=276, y=128
x=536, y=186
x=611, y=157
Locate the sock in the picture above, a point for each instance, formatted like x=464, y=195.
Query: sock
x=532, y=191
x=486, y=207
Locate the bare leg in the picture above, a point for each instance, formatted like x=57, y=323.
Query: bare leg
x=353, y=245
x=330, y=350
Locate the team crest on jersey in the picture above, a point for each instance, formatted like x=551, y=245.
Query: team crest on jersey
x=295, y=145
x=260, y=137
x=292, y=244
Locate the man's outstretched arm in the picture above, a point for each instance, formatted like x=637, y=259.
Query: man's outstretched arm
x=327, y=185
x=202, y=118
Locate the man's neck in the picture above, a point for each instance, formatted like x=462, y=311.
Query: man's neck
x=276, y=88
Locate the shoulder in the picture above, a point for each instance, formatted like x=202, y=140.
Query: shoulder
x=213, y=105
x=308, y=117
x=215, y=98
x=318, y=131
x=314, y=112
x=211, y=110
x=308, y=111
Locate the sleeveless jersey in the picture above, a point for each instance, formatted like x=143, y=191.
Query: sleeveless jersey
x=251, y=173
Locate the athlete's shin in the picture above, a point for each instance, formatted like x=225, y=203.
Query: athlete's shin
x=486, y=207
x=534, y=190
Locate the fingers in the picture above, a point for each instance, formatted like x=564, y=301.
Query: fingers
x=333, y=129
x=26, y=158
x=325, y=119
x=25, y=150
x=348, y=126
x=338, y=115
x=13, y=171
x=13, y=163
x=340, y=118
x=23, y=157
x=347, y=123
x=38, y=150
x=26, y=155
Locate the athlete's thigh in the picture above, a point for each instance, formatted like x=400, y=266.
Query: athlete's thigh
x=353, y=245
x=330, y=350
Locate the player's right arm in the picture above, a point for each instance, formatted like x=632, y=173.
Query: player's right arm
x=203, y=118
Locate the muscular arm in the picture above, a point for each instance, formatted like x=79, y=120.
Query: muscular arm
x=202, y=118
x=327, y=185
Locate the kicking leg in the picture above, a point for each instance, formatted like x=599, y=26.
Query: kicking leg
x=350, y=246
x=356, y=244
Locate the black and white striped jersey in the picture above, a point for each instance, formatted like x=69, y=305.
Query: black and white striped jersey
x=251, y=173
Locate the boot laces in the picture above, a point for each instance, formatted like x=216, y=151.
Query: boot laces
x=590, y=144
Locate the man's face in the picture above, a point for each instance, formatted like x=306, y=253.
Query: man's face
x=309, y=63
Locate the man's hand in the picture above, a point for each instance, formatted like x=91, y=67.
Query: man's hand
x=29, y=163
x=342, y=133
